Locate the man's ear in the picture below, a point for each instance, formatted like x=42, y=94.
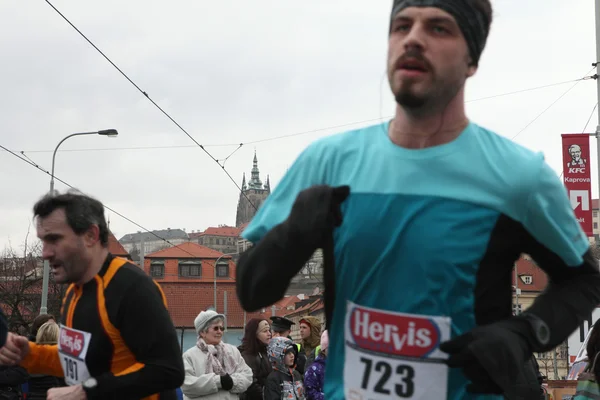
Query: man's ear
x=471, y=70
x=92, y=235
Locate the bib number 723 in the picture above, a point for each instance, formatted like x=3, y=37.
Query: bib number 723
x=71, y=369
x=403, y=374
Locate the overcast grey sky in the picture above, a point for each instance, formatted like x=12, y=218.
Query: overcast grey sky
x=240, y=71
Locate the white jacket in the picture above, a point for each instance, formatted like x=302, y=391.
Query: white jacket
x=200, y=385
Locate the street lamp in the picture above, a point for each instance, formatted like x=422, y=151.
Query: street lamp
x=105, y=132
x=215, y=278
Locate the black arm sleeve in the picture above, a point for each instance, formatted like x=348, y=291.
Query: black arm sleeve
x=3, y=329
x=571, y=295
x=148, y=332
x=265, y=271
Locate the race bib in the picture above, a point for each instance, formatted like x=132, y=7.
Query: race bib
x=394, y=355
x=72, y=349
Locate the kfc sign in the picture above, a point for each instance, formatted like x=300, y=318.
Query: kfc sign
x=577, y=177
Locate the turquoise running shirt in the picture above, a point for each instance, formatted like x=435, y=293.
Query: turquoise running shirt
x=426, y=249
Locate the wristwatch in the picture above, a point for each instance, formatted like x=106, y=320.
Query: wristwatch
x=89, y=387
x=541, y=331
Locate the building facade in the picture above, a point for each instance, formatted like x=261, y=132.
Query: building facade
x=253, y=194
x=222, y=238
x=152, y=241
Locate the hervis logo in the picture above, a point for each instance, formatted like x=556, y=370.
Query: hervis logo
x=402, y=335
x=71, y=342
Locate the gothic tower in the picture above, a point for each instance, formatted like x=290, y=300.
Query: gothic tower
x=253, y=190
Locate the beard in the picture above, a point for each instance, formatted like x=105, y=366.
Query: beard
x=74, y=264
x=434, y=97
x=410, y=100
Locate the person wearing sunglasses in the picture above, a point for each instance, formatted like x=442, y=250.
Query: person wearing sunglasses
x=213, y=369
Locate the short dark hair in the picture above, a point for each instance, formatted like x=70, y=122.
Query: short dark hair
x=82, y=212
x=39, y=321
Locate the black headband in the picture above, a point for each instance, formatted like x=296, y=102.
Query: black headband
x=473, y=23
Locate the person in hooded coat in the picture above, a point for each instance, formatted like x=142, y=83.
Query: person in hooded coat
x=310, y=332
x=314, y=378
x=284, y=382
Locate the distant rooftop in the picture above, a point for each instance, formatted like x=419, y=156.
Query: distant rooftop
x=168, y=234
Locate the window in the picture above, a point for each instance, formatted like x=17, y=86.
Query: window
x=223, y=269
x=595, y=214
x=527, y=279
x=595, y=225
x=190, y=269
x=157, y=269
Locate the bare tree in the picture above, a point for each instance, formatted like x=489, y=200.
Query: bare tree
x=21, y=273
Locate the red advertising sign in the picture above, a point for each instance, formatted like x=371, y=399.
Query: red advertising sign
x=577, y=177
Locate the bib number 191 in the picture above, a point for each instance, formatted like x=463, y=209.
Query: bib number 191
x=403, y=376
x=71, y=367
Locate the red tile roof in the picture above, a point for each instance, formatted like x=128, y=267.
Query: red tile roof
x=185, y=300
x=115, y=248
x=187, y=250
x=307, y=308
x=225, y=231
x=539, y=280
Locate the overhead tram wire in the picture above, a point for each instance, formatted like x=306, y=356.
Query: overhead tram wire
x=190, y=136
x=155, y=104
x=34, y=164
x=586, y=77
x=339, y=126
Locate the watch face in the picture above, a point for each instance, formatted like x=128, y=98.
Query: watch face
x=90, y=383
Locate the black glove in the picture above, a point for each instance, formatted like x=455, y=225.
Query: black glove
x=226, y=382
x=316, y=212
x=493, y=356
x=3, y=329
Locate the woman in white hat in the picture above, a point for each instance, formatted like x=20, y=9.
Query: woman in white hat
x=213, y=369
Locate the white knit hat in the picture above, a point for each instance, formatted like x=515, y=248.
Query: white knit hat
x=204, y=318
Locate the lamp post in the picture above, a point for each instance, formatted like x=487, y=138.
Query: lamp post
x=106, y=132
x=215, y=278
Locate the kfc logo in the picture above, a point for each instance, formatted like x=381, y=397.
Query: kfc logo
x=71, y=342
x=402, y=335
x=577, y=164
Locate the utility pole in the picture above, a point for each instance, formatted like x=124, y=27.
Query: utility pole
x=597, y=64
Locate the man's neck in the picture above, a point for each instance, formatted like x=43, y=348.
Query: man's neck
x=94, y=267
x=417, y=130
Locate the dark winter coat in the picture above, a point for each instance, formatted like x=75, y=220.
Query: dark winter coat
x=283, y=383
x=261, y=368
x=11, y=379
x=39, y=385
x=314, y=379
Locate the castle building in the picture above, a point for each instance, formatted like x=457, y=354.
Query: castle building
x=254, y=191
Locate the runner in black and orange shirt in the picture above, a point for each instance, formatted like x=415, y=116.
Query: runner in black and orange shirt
x=117, y=340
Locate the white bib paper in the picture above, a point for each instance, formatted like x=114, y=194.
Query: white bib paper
x=72, y=349
x=394, y=355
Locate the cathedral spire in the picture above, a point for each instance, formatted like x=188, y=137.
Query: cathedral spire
x=255, y=182
x=244, y=182
x=268, y=184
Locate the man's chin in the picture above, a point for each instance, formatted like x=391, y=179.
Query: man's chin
x=410, y=100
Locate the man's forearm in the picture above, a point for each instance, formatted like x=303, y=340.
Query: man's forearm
x=568, y=302
x=265, y=270
x=43, y=359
